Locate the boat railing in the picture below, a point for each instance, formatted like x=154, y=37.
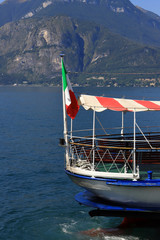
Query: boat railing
x=114, y=153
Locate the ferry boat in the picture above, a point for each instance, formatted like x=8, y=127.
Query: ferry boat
x=118, y=166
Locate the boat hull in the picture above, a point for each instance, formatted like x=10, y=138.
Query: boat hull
x=144, y=194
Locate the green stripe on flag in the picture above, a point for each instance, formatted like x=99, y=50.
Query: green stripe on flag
x=64, y=78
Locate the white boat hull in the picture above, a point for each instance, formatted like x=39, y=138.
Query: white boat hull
x=147, y=196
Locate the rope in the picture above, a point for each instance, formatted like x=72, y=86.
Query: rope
x=101, y=126
x=144, y=136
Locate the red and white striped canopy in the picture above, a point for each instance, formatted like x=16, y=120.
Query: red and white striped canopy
x=100, y=104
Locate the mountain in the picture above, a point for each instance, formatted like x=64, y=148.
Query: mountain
x=149, y=13
x=120, y=16
x=30, y=48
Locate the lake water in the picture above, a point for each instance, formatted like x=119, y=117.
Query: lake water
x=36, y=196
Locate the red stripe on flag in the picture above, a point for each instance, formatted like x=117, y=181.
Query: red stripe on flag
x=148, y=104
x=111, y=104
x=73, y=108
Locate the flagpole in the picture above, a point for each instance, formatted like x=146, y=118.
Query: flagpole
x=71, y=128
x=65, y=131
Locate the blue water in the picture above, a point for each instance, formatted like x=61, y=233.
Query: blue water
x=36, y=197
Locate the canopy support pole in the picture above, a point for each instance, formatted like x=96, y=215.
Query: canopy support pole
x=122, y=128
x=134, y=146
x=93, y=141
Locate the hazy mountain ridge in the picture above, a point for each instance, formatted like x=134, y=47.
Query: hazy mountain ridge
x=149, y=13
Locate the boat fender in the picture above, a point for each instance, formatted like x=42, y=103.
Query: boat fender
x=149, y=175
x=61, y=142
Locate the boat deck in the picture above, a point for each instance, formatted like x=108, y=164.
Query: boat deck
x=144, y=170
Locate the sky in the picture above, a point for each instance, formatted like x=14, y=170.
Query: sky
x=151, y=5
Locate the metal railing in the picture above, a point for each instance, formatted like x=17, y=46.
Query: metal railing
x=114, y=153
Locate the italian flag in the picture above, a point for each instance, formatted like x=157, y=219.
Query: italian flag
x=71, y=103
